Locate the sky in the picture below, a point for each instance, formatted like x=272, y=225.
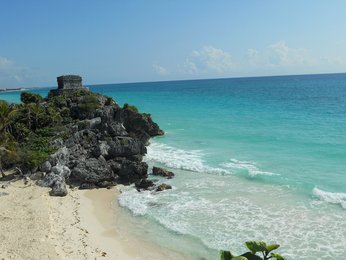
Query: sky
x=115, y=41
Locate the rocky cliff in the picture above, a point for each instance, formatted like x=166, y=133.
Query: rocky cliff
x=102, y=144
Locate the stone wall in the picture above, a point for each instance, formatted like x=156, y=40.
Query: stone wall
x=69, y=82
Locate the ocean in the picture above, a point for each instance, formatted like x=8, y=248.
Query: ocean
x=260, y=158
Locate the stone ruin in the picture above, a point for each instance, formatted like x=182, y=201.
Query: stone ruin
x=68, y=84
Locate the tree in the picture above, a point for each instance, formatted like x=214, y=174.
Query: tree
x=3, y=150
x=6, y=114
x=28, y=98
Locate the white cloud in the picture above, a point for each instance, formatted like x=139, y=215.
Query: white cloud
x=160, y=70
x=190, y=67
x=279, y=55
x=208, y=60
x=9, y=72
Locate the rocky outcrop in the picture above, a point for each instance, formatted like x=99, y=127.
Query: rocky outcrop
x=103, y=144
x=163, y=187
x=162, y=172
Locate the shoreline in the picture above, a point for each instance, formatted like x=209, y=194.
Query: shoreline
x=82, y=225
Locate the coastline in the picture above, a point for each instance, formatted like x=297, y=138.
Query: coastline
x=81, y=225
x=14, y=90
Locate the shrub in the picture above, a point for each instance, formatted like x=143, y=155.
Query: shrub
x=28, y=98
x=130, y=107
x=36, y=150
x=89, y=103
x=254, y=247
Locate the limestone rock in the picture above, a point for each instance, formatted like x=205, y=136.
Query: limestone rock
x=163, y=187
x=162, y=172
x=46, y=167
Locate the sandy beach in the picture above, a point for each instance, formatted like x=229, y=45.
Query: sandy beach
x=81, y=225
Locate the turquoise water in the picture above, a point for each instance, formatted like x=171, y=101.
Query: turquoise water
x=255, y=158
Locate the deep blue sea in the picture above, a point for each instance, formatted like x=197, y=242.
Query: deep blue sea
x=255, y=158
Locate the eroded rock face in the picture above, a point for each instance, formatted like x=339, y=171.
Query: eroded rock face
x=103, y=145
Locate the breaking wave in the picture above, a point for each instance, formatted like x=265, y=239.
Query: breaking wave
x=330, y=197
x=190, y=160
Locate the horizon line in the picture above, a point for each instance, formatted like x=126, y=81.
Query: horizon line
x=197, y=79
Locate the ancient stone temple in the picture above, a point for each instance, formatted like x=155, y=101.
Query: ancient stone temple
x=69, y=85
x=69, y=82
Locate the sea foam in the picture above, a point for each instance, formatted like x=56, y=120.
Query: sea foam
x=330, y=197
x=190, y=160
x=250, y=167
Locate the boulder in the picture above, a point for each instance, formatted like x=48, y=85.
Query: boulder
x=163, y=187
x=50, y=179
x=59, y=189
x=46, y=167
x=144, y=184
x=162, y=172
x=61, y=170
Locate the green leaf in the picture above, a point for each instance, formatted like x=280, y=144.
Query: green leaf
x=225, y=255
x=272, y=247
x=251, y=256
x=256, y=246
x=277, y=256
x=239, y=258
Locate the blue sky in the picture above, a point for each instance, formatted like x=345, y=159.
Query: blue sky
x=131, y=41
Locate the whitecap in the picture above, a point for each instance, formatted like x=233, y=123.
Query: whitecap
x=250, y=167
x=330, y=197
x=191, y=160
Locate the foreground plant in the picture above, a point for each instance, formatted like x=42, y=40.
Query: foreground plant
x=254, y=247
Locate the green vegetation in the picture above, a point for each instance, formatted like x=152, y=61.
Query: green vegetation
x=28, y=98
x=26, y=130
x=89, y=103
x=254, y=247
x=130, y=107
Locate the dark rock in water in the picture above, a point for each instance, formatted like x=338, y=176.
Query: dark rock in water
x=59, y=189
x=162, y=172
x=163, y=187
x=144, y=184
x=87, y=186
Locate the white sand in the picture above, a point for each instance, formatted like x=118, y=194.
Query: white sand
x=34, y=225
